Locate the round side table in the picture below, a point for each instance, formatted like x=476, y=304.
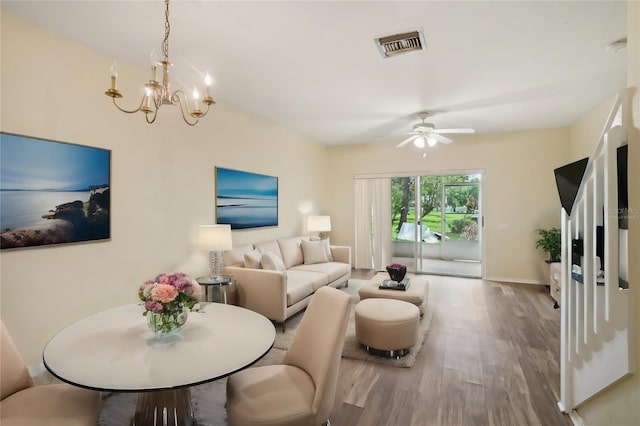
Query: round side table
x=219, y=289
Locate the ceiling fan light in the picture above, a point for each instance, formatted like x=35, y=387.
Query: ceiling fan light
x=431, y=141
x=419, y=142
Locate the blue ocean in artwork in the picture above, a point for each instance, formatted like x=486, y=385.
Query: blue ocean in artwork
x=21, y=209
x=246, y=200
x=52, y=192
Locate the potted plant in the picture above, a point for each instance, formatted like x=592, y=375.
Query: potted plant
x=550, y=241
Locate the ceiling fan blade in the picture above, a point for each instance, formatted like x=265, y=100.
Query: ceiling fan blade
x=441, y=131
x=440, y=138
x=406, y=141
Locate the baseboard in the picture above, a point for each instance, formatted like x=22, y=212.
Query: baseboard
x=514, y=280
x=576, y=419
x=573, y=415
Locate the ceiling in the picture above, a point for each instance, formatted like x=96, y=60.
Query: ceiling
x=314, y=68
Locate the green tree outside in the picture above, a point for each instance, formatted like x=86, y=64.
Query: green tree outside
x=457, y=224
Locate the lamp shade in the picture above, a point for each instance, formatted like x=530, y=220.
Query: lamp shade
x=215, y=237
x=319, y=223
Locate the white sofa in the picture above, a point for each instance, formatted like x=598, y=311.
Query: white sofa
x=277, y=278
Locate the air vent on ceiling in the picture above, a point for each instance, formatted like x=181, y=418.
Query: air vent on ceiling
x=400, y=43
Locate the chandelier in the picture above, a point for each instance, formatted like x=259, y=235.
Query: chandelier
x=158, y=94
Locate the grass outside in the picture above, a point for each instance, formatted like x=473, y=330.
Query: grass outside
x=431, y=221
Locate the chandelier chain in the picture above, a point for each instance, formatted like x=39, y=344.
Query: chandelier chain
x=167, y=30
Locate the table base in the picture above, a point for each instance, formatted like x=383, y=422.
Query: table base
x=164, y=408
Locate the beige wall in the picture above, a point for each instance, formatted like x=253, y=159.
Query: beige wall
x=162, y=181
x=618, y=405
x=585, y=133
x=519, y=189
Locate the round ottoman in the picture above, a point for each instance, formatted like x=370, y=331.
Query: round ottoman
x=387, y=327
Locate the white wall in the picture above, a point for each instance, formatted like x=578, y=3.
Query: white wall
x=520, y=193
x=162, y=181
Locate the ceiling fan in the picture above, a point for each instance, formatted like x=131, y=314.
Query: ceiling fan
x=426, y=133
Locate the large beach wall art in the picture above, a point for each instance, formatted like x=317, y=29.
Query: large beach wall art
x=52, y=192
x=246, y=200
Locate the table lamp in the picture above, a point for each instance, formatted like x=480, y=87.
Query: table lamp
x=320, y=224
x=215, y=239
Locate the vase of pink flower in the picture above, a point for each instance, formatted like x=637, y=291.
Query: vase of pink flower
x=168, y=298
x=397, y=271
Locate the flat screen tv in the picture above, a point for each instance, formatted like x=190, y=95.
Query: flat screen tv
x=568, y=179
x=623, y=187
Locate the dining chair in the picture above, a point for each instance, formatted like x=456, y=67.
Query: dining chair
x=301, y=390
x=24, y=404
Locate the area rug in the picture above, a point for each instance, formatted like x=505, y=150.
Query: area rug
x=208, y=401
x=208, y=405
x=352, y=348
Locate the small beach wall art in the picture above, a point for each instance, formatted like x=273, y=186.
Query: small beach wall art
x=52, y=192
x=245, y=200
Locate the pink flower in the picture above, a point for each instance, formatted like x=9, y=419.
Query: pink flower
x=163, y=279
x=183, y=285
x=169, y=292
x=164, y=293
x=153, y=306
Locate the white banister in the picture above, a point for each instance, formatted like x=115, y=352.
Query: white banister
x=596, y=347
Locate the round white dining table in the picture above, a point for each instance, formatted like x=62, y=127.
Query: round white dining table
x=114, y=350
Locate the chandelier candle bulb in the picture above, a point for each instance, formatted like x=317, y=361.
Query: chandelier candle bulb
x=207, y=82
x=114, y=76
x=153, y=57
x=147, y=100
x=196, y=96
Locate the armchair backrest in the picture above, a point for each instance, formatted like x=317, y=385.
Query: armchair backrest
x=318, y=342
x=13, y=370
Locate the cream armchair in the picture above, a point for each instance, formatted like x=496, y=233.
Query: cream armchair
x=23, y=404
x=302, y=390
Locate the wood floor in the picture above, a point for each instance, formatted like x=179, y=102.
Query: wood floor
x=490, y=358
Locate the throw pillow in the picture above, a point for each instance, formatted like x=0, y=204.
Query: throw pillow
x=327, y=247
x=252, y=259
x=314, y=252
x=271, y=261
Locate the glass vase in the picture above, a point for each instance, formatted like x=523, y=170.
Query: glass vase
x=167, y=323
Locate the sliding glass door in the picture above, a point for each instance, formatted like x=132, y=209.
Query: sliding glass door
x=437, y=223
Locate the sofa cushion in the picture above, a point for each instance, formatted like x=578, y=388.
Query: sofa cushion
x=333, y=270
x=271, y=246
x=314, y=252
x=291, y=251
x=252, y=259
x=271, y=261
x=235, y=256
x=301, y=284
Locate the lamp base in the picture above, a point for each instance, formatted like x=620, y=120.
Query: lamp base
x=216, y=263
